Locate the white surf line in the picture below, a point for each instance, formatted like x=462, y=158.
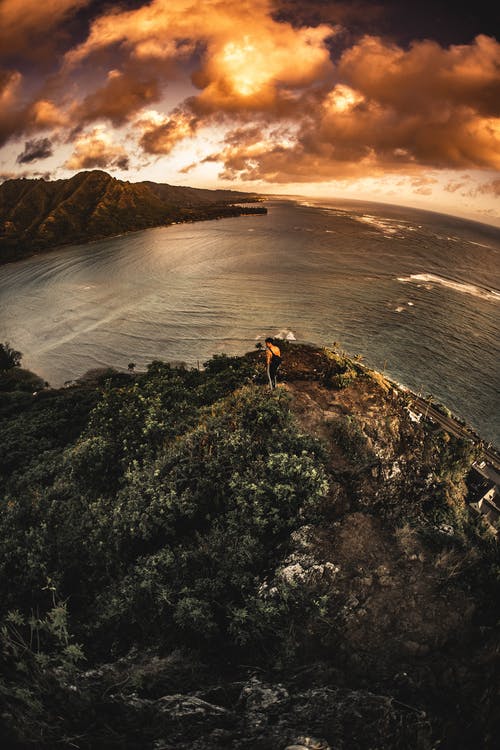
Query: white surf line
x=457, y=286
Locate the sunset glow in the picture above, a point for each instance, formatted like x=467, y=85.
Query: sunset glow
x=322, y=98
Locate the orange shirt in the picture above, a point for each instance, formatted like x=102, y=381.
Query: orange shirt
x=270, y=350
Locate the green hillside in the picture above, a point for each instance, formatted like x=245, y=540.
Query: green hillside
x=39, y=214
x=190, y=561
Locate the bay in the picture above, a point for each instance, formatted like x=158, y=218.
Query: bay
x=416, y=293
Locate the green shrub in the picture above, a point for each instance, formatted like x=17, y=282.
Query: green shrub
x=38, y=660
x=349, y=436
x=340, y=370
x=209, y=517
x=9, y=357
x=162, y=515
x=18, y=379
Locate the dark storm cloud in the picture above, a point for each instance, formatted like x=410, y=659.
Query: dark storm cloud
x=39, y=148
x=442, y=20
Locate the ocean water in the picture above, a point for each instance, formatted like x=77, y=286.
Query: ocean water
x=416, y=293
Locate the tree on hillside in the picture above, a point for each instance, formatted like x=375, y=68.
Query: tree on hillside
x=9, y=357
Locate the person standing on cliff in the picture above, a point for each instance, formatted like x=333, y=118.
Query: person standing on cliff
x=273, y=359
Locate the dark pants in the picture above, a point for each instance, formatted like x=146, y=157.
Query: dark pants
x=272, y=370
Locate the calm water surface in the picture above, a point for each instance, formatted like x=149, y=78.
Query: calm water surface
x=415, y=292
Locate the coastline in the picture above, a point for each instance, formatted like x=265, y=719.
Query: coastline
x=453, y=391
x=427, y=406
x=238, y=211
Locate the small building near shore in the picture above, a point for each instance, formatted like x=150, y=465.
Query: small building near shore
x=483, y=496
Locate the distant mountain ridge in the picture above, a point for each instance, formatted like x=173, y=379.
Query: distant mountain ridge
x=38, y=214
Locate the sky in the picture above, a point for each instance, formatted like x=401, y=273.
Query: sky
x=388, y=101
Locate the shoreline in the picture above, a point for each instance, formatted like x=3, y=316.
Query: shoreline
x=259, y=211
x=433, y=407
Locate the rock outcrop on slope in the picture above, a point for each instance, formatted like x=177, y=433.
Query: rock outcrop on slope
x=242, y=569
x=40, y=214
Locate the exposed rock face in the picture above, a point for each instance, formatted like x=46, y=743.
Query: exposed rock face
x=269, y=716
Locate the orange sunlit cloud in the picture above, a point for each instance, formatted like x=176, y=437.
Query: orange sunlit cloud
x=43, y=114
x=26, y=26
x=381, y=107
x=159, y=134
x=252, y=71
x=263, y=74
x=368, y=123
x=245, y=53
x=9, y=83
x=17, y=117
x=123, y=94
x=96, y=150
x=493, y=188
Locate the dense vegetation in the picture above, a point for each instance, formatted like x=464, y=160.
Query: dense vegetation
x=151, y=528
x=39, y=214
x=9, y=357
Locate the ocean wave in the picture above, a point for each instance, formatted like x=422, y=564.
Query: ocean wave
x=388, y=227
x=481, y=244
x=457, y=286
x=285, y=334
x=383, y=225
